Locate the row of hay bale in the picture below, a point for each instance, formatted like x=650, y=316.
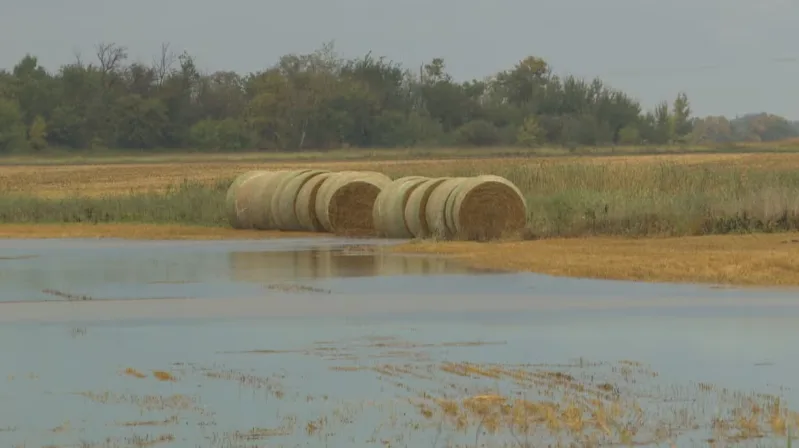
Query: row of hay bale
x=370, y=203
x=305, y=200
x=467, y=208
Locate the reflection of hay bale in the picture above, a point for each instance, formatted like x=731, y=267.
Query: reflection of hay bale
x=323, y=264
x=254, y=266
x=388, y=264
x=285, y=199
x=389, y=209
x=266, y=187
x=271, y=267
x=397, y=264
x=353, y=265
x=231, y=198
x=305, y=204
x=345, y=200
x=484, y=208
x=416, y=205
x=436, y=207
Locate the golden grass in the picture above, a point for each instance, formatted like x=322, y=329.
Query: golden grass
x=124, y=178
x=130, y=371
x=355, y=154
x=139, y=232
x=762, y=259
x=162, y=375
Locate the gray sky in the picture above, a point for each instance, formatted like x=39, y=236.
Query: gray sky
x=723, y=53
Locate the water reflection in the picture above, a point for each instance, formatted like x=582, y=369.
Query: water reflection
x=270, y=266
x=136, y=270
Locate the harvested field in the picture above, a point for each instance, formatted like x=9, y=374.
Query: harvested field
x=100, y=179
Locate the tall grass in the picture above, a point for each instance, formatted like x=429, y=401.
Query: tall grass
x=187, y=203
x=638, y=199
x=564, y=199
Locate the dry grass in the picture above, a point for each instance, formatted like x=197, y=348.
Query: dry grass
x=162, y=375
x=124, y=178
x=139, y=231
x=130, y=371
x=762, y=259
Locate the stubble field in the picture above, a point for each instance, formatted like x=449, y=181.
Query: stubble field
x=642, y=217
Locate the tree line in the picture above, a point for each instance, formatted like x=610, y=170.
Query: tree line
x=321, y=101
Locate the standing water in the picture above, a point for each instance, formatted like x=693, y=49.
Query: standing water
x=328, y=342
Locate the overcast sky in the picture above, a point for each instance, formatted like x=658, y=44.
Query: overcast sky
x=730, y=56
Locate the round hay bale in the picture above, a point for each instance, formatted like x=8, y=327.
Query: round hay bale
x=264, y=218
x=247, y=203
x=436, y=208
x=285, y=198
x=305, y=204
x=417, y=203
x=275, y=221
x=389, y=210
x=345, y=201
x=232, y=196
x=487, y=207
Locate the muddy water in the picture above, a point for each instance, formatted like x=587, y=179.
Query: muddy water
x=328, y=343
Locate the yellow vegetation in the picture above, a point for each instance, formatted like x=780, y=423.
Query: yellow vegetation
x=762, y=259
x=123, y=178
x=163, y=375
x=130, y=371
x=138, y=231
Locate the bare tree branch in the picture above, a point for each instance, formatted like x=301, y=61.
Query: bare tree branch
x=76, y=53
x=162, y=64
x=110, y=56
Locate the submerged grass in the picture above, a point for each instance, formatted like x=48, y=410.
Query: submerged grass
x=565, y=199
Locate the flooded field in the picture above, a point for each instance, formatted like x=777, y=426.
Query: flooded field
x=329, y=342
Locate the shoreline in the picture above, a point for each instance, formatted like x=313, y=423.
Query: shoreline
x=134, y=231
x=770, y=260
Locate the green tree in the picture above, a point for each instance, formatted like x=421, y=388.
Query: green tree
x=12, y=127
x=320, y=100
x=37, y=134
x=681, y=116
x=530, y=133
